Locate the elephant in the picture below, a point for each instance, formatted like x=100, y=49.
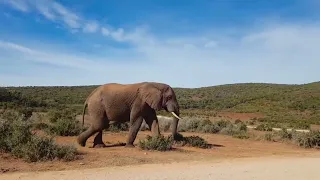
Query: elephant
x=133, y=103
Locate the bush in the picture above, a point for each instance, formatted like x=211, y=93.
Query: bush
x=236, y=130
x=41, y=126
x=264, y=127
x=268, y=137
x=237, y=121
x=307, y=140
x=55, y=115
x=189, y=125
x=203, y=126
x=284, y=134
x=26, y=112
x=17, y=138
x=11, y=115
x=223, y=124
x=195, y=141
x=65, y=127
x=158, y=143
x=117, y=127
x=161, y=143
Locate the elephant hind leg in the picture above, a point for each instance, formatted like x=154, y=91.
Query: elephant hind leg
x=83, y=137
x=99, y=122
x=97, y=142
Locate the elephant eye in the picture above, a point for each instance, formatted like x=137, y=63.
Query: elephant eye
x=169, y=97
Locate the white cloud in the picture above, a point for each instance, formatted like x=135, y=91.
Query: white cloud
x=284, y=54
x=50, y=9
x=46, y=12
x=105, y=31
x=58, y=13
x=118, y=34
x=91, y=27
x=70, y=18
x=20, y=5
x=9, y=45
x=210, y=44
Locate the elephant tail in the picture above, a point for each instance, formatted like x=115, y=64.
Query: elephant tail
x=83, y=112
x=86, y=104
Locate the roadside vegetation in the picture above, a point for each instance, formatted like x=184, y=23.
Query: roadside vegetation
x=53, y=110
x=293, y=106
x=19, y=139
x=162, y=143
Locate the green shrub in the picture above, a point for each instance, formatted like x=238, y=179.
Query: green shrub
x=268, y=137
x=41, y=126
x=17, y=138
x=55, y=115
x=223, y=124
x=192, y=125
x=117, y=127
x=237, y=121
x=195, y=141
x=165, y=126
x=11, y=115
x=65, y=127
x=158, y=143
x=210, y=128
x=264, y=127
x=236, y=130
x=26, y=112
x=284, y=134
x=241, y=135
x=307, y=140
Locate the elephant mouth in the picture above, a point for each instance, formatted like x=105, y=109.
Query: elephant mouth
x=165, y=108
x=173, y=113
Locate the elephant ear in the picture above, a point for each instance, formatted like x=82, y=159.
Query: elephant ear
x=151, y=95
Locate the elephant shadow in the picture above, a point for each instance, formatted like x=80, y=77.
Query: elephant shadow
x=109, y=145
x=210, y=146
x=119, y=144
x=215, y=145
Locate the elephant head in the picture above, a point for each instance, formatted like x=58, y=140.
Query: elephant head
x=161, y=96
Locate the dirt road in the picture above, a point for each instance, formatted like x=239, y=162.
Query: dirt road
x=294, y=168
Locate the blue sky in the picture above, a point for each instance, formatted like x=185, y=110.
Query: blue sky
x=183, y=43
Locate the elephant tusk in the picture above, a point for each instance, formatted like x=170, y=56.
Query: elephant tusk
x=174, y=114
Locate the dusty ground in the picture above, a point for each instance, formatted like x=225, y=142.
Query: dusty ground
x=225, y=148
x=292, y=168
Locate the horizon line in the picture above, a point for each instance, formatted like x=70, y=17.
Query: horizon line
x=87, y=85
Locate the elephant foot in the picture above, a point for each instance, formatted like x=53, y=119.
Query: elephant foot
x=83, y=144
x=129, y=146
x=99, y=145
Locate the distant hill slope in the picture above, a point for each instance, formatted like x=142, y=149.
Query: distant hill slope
x=279, y=102
x=252, y=97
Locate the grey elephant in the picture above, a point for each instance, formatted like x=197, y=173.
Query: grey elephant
x=117, y=103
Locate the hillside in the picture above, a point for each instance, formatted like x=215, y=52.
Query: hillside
x=298, y=105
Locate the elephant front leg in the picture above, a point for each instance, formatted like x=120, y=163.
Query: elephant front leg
x=133, y=130
x=153, y=124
